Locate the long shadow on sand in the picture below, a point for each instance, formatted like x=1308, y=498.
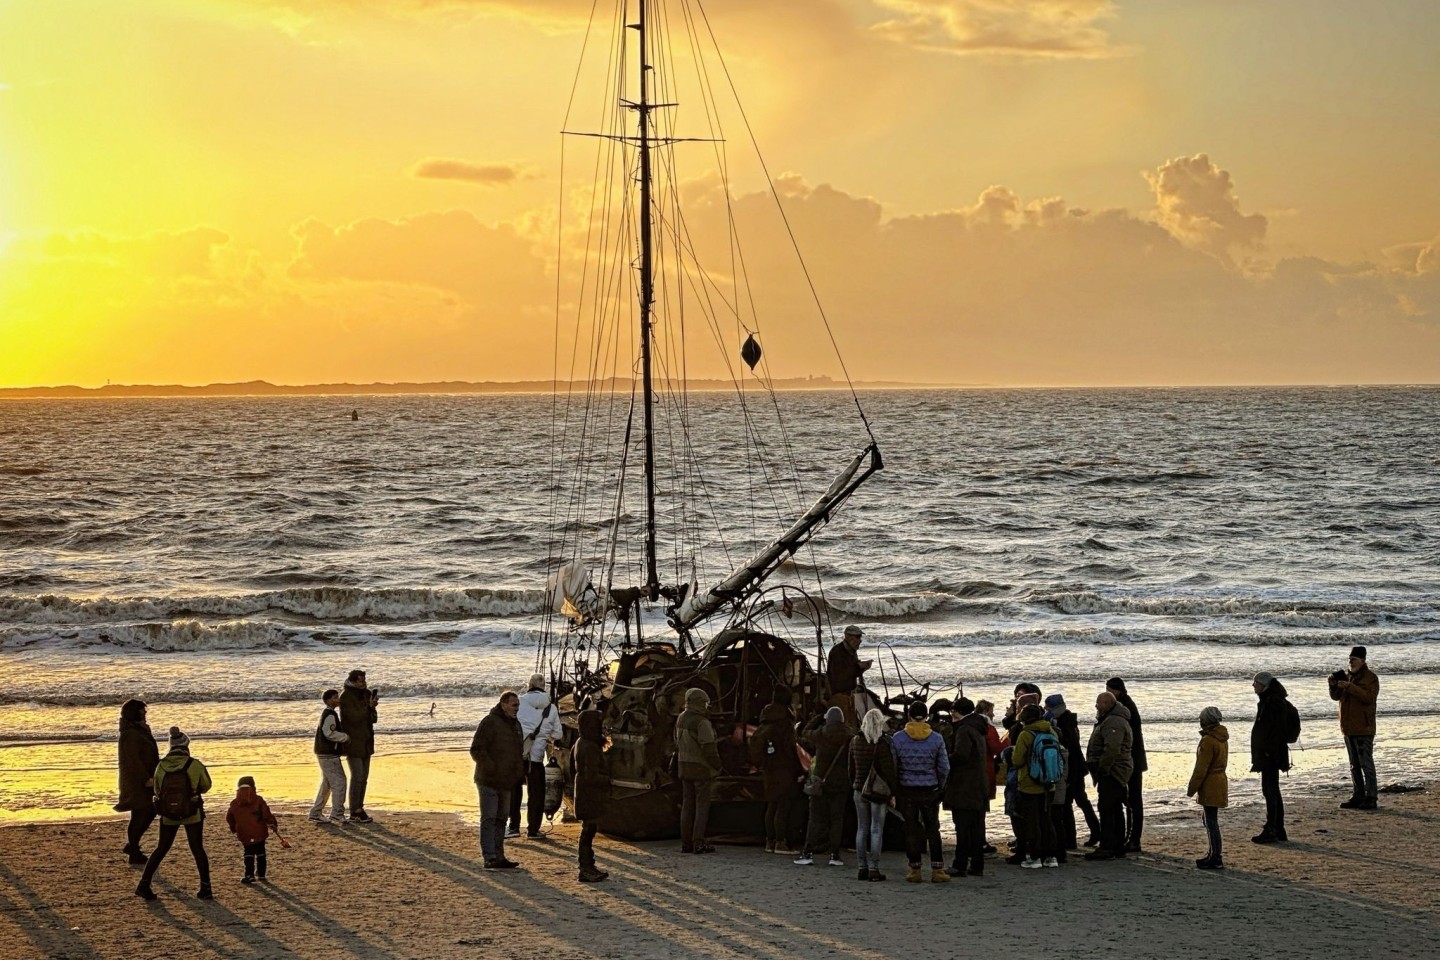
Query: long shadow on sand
x=47, y=930
x=336, y=933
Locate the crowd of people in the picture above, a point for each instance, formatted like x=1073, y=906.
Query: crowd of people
x=946, y=754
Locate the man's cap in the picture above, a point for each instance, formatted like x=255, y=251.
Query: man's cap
x=854, y=631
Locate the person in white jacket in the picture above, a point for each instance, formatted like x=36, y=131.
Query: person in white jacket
x=540, y=723
x=330, y=743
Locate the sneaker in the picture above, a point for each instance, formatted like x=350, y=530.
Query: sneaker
x=360, y=816
x=1031, y=863
x=769, y=846
x=592, y=875
x=512, y=834
x=247, y=879
x=1015, y=860
x=989, y=850
x=913, y=875
x=316, y=818
x=804, y=860
x=836, y=862
x=704, y=848
x=955, y=871
x=534, y=835
x=938, y=874
x=1210, y=864
x=1051, y=862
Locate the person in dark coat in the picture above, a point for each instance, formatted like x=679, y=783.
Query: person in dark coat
x=1067, y=728
x=1270, y=752
x=967, y=790
x=830, y=747
x=592, y=790
x=499, y=768
x=1135, y=800
x=139, y=756
x=772, y=752
x=358, y=715
x=844, y=672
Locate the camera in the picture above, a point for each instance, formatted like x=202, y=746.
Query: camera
x=1337, y=676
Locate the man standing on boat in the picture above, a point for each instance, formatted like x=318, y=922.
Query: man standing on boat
x=844, y=670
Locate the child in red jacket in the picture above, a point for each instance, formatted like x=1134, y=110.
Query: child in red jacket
x=251, y=821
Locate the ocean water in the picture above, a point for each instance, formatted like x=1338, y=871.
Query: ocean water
x=228, y=559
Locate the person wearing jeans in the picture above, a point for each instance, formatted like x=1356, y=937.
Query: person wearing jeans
x=1356, y=692
x=329, y=749
x=495, y=749
x=870, y=750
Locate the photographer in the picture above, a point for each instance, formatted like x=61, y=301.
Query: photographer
x=357, y=720
x=1357, y=691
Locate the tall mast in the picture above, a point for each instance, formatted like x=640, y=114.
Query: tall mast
x=647, y=303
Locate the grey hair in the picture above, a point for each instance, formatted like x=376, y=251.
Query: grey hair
x=873, y=725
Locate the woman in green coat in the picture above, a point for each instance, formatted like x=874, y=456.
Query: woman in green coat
x=180, y=783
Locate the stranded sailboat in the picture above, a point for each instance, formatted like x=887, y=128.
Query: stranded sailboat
x=678, y=514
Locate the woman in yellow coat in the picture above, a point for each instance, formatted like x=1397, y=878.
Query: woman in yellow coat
x=1208, y=784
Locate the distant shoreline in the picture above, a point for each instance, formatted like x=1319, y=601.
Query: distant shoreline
x=262, y=388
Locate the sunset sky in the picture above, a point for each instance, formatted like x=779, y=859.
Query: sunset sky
x=986, y=191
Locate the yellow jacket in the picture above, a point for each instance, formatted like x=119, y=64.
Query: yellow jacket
x=1208, y=784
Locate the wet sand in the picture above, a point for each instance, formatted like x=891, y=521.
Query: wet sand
x=1349, y=885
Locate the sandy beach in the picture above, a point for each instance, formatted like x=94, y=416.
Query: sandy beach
x=1349, y=885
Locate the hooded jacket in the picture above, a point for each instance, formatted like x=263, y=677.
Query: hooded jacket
x=249, y=816
x=1209, y=784
x=171, y=765
x=495, y=749
x=695, y=744
x=1268, y=747
x=1020, y=757
x=1357, y=704
x=357, y=719
x=968, y=787
x=1137, y=731
x=830, y=746
x=538, y=731
x=772, y=751
x=139, y=756
x=1108, y=752
x=920, y=756
x=592, y=768
x=1067, y=728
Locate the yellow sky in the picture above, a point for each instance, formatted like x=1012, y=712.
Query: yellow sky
x=993, y=191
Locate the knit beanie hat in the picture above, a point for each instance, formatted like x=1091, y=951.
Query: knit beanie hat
x=917, y=710
x=246, y=781
x=1358, y=653
x=1210, y=716
x=834, y=715
x=1264, y=680
x=178, y=738
x=1055, y=702
x=964, y=706
x=696, y=699
x=1116, y=685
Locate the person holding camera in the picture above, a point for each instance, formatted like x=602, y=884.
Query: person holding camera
x=357, y=721
x=1356, y=691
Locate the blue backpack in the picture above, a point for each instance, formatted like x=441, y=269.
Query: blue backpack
x=1047, y=759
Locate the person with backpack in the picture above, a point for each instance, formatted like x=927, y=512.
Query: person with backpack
x=772, y=752
x=967, y=788
x=1039, y=762
x=180, y=785
x=495, y=748
x=698, y=759
x=872, y=778
x=358, y=715
x=541, y=722
x=592, y=790
x=1108, y=757
x=1277, y=725
x=1135, y=798
x=138, y=756
x=828, y=787
x=1356, y=692
x=922, y=768
x=330, y=743
x=1209, y=784
x=251, y=821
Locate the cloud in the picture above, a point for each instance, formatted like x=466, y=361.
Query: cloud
x=485, y=174
x=160, y=254
x=1195, y=201
x=1012, y=28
